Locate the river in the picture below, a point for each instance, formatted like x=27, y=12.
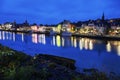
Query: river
x=103, y=55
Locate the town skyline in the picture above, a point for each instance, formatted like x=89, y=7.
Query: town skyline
x=26, y=19
x=114, y=20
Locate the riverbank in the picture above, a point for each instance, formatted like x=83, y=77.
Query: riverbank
x=26, y=32
x=16, y=65
x=15, y=31
x=103, y=37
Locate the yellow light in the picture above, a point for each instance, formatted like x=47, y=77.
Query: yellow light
x=72, y=41
x=86, y=44
x=59, y=27
x=81, y=44
x=58, y=40
x=75, y=42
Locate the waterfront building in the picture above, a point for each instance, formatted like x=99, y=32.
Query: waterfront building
x=67, y=26
x=34, y=28
x=90, y=29
x=41, y=28
x=7, y=26
x=114, y=31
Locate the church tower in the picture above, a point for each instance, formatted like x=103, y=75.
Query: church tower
x=26, y=23
x=103, y=17
x=103, y=20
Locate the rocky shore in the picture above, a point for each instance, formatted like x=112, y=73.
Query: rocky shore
x=16, y=65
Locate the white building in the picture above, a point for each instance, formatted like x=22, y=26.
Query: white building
x=7, y=26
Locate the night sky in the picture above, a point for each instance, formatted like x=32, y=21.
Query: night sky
x=55, y=11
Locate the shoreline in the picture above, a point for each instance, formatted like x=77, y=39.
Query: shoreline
x=104, y=37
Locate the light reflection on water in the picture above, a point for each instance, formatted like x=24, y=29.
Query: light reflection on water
x=88, y=53
x=108, y=47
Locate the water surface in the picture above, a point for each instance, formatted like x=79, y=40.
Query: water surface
x=88, y=53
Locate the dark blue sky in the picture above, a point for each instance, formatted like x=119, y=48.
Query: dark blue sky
x=55, y=11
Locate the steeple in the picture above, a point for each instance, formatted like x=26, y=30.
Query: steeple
x=103, y=20
x=103, y=17
x=26, y=23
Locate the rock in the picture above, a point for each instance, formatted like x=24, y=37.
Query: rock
x=90, y=70
x=69, y=63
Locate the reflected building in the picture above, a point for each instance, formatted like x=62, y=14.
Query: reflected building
x=42, y=39
x=35, y=38
x=82, y=43
x=118, y=48
x=58, y=41
x=63, y=41
x=7, y=36
x=38, y=38
x=85, y=43
x=114, y=44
